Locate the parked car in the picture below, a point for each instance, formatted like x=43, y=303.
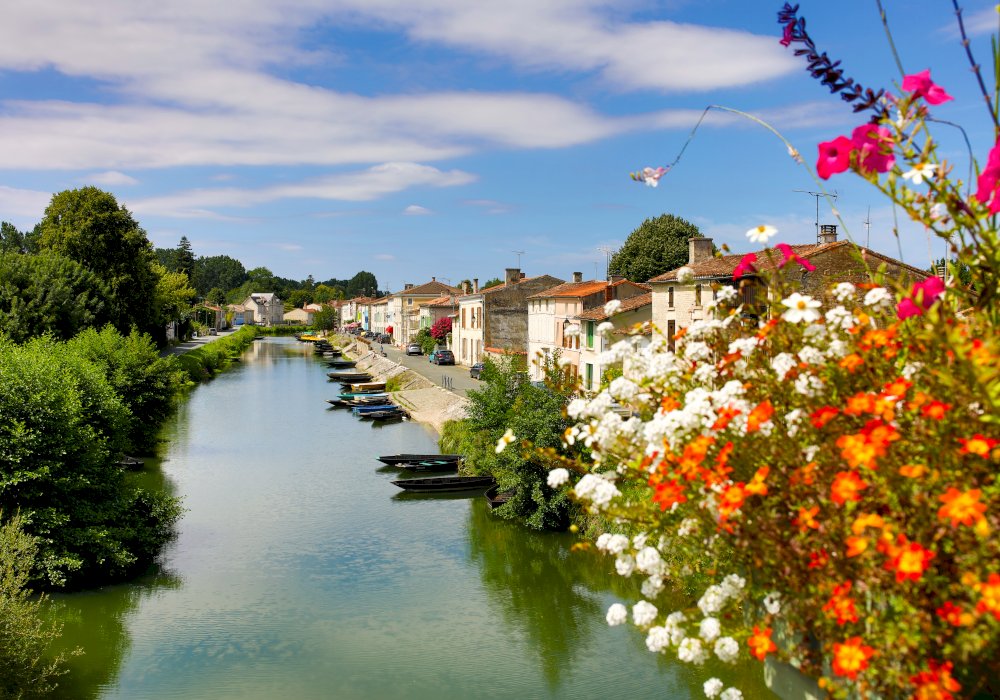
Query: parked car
x=444, y=357
x=476, y=371
x=414, y=349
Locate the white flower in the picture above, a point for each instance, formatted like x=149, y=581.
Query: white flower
x=744, y=346
x=558, y=477
x=576, y=408
x=840, y=318
x=685, y=275
x=731, y=694
x=878, y=296
x=625, y=565
x=596, y=489
x=648, y=560
x=726, y=293
x=505, y=440
x=761, y=234
x=772, y=602
x=782, y=364
x=572, y=332
x=605, y=327
x=712, y=687
x=910, y=369
x=794, y=419
x=921, y=172
x=652, y=586
x=611, y=308
x=643, y=613
x=674, y=628
x=639, y=541
x=614, y=544
x=709, y=629
x=617, y=614
x=810, y=452
x=657, y=639
x=732, y=585
x=697, y=350
x=939, y=211
x=727, y=649
x=844, y=291
x=808, y=385
x=801, y=309
x=687, y=526
x=691, y=651
x=811, y=356
x=712, y=600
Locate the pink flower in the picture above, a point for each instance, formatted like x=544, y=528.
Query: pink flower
x=920, y=85
x=989, y=178
x=786, y=37
x=874, y=144
x=922, y=297
x=790, y=255
x=745, y=266
x=834, y=157
x=907, y=308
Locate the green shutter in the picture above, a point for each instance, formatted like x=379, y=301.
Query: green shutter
x=590, y=339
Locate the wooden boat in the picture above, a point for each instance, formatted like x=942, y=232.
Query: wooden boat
x=430, y=465
x=374, y=400
x=341, y=364
x=494, y=498
x=401, y=458
x=445, y=483
x=349, y=377
x=368, y=386
x=362, y=395
x=131, y=463
x=385, y=416
x=372, y=408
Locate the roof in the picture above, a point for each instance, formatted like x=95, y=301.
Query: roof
x=572, y=290
x=433, y=287
x=630, y=304
x=446, y=300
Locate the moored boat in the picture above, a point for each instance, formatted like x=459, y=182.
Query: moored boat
x=430, y=465
x=349, y=377
x=385, y=416
x=404, y=457
x=368, y=386
x=372, y=408
x=444, y=483
x=494, y=497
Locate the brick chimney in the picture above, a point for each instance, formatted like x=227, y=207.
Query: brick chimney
x=699, y=249
x=434, y=279
x=578, y=277
x=827, y=233
x=616, y=278
x=513, y=276
x=475, y=285
x=407, y=285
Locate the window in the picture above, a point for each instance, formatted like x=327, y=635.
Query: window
x=463, y=326
x=670, y=297
x=697, y=295
x=671, y=332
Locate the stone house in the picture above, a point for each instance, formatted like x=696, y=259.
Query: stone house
x=676, y=305
x=411, y=298
x=553, y=318
x=495, y=320
x=634, y=312
x=263, y=309
x=299, y=317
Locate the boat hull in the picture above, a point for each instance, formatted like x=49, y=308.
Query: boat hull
x=402, y=458
x=444, y=483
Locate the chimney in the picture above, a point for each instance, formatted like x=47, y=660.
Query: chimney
x=578, y=277
x=407, y=285
x=827, y=233
x=699, y=249
x=616, y=278
x=512, y=276
x=466, y=287
x=475, y=285
x=434, y=279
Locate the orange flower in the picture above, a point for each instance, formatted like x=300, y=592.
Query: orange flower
x=731, y=500
x=935, y=410
x=691, y=460
x=760, y=643
x=989, y=596
x=860, y=403
x=803, y=475
x=961, y=506
x=851, y=362
x=846, y=487
x=725, y=416
x=761, y=413
x=817, y=560
x=824, y=415
x=954, y=615
x=978, y=444
x=913, y=471
x=856, y=545
x=669, y=403
x=936, y=683
x=806, y=519
x=909, y=560
x=851, y=657
x=866, y=520
x=897, y=388
x=862, y=449
x=841, y=605
x=667, y=494
x=757, y=487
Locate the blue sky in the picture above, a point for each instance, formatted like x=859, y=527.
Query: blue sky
x=419, y=138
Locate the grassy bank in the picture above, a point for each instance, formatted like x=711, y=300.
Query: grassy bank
x=206, y=361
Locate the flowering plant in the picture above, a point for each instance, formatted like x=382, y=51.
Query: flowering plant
x=824, y=474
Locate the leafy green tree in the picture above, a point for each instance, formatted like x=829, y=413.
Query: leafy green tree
x=26, y=669
x=63, y=433
x=88, y=226
x=220, y=271
x=167, y=257
x=299, y=298
x=362, y=284
x=657, y=246
x=491, y=283
x=14, y=241
x=185, y=258
x=216, y=296
x=48, y=293
x=325, y=319
x=173, y=296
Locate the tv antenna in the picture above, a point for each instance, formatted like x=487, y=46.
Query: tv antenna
x=518, y=253
x=817, y=195
x=868, y=228
x=607, y=250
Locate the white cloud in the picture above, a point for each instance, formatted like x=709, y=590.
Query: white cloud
x=356, y=186
x=385, y=256
x=110, y=178
x=23, y=204
x=490, y=206
x=416, y=210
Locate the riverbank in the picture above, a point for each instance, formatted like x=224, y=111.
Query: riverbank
x=425, y=402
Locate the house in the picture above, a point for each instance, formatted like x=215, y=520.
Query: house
x=355, y=313
x=495, y=320
x=634, y=312
x=263, y=309
x=378, y=316
x=676, y=305
x=553, y=318
x=299, y=317
x=433, y=311
x=411, y=298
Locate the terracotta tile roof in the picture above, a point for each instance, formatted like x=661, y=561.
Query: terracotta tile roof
x=433, y=287
x=446, y=300
x=630, y=304
x=502, y=286
x=865, y=252
x=572, y=290
x=724, y=266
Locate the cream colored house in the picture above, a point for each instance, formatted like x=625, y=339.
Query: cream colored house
x=300, y=317
x=411, y=298
x=263, y=309
x=634, y=313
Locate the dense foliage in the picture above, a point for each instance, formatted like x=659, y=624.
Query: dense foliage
x=441, y=329
x=656, y=246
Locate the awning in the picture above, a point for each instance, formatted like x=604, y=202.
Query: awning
x=388, y=329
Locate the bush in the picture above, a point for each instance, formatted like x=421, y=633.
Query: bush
x=204, y=362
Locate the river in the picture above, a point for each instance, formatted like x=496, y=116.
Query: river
x=301, y=571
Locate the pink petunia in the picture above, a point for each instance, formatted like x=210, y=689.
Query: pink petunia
x=989, y=180
x=787, y=36
x=928, y=291
x=834, y=157
x=745, y=266
x=874, y=146
x=790, y=255
x=921, y=85
x=907, y=308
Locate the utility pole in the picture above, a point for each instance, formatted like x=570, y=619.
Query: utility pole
x=817, y=195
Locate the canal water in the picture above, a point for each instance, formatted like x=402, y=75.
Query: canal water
x=301, y=571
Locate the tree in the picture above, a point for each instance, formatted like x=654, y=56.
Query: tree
x=325, y=319
x=362, y=284
x=324, y=293
x=657, y=246
x=491, y=283
x=441, y=329
x=216, y=296
x=48, y=293
x=185, y=258
x=172, y=297
x=88, y=226
x=220, y=271
x=14, y=241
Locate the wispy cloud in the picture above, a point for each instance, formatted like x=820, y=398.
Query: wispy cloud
x=23, y=204
x=416, y=210
x=290, y=247
x=384, y=256
x=110, y=178
x=490, y=206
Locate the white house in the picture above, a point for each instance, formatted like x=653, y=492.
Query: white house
x=264, y=309
x=634, y=313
